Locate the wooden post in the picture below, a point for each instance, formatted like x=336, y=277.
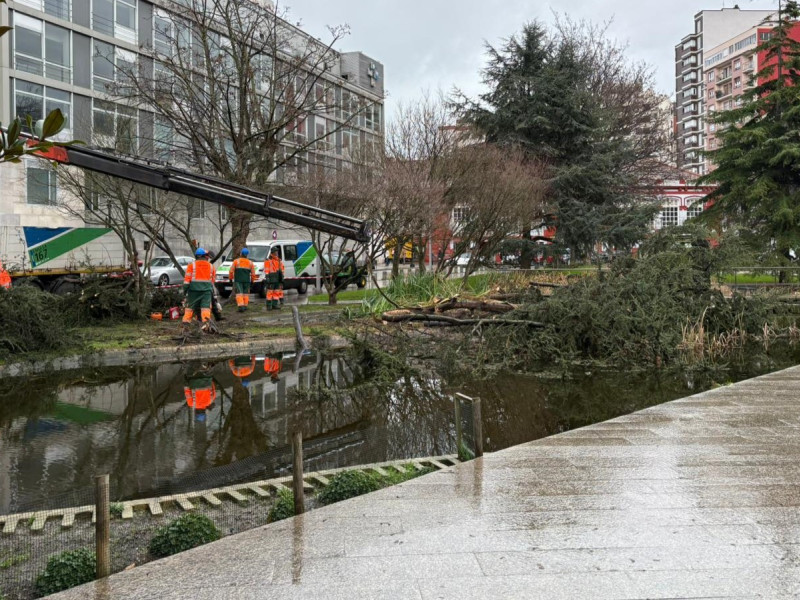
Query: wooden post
x=298, y=328
x=459, y=430
x=102, y=528
x=477, y=425
x=297, y=473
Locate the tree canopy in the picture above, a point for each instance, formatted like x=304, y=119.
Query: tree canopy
x=569, y=96
x=758, y=158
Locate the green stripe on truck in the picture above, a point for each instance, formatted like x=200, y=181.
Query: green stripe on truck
x=304, y=260
x=62, y=244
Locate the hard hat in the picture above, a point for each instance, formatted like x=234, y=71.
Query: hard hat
x=274, y=250
x=245, y=251
x=200, y=252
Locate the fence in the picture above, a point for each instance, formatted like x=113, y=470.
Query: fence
x=120, y=530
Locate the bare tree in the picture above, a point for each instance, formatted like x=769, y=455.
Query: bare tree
x=231, y=86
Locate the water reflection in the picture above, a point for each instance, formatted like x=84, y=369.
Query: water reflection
x=172, y=427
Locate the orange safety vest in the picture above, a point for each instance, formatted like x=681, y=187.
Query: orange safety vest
x=242, y=371
x=242, y=263
x=272, y=366
x=200, y=271
x=273, y=265
x=200, y=399
x=5, y=278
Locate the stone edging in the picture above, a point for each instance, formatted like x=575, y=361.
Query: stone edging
x=149, y=356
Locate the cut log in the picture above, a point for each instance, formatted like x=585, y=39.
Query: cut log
x=408, y=316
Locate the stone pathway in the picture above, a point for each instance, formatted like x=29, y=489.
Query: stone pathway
x=697, y=498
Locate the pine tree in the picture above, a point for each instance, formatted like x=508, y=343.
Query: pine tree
x=758, y=162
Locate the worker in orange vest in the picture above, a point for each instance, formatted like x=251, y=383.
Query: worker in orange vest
x=242, y=274
x=197, y=285
x=272, y=367
x=200, y=392
x=242, y=366
x=273, y=279
x=5, y=278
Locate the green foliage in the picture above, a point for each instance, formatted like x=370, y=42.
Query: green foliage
x=283, y=507
x=185, y=532
x=635, y=313
x=9, y=561
x=163, y=299
x=103, y=299
x=66, y=570
x=116, y=509
x=348, y=484
x=758, y=161
x=32, y=321
x=570, y=99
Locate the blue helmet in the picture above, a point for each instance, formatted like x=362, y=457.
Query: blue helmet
x=200, y=417
x=245, y=251
x=200, y=252
x=245, y=383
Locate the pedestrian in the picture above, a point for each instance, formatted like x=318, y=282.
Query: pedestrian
x=273, y=279
x=200, y=393
x=5, y=278
x=197, y=285
x=242, y=273
x=242, y=366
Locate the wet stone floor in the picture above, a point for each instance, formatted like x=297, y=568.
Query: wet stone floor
x=696, y=498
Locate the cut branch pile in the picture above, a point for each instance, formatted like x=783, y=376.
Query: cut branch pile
x=460, y=312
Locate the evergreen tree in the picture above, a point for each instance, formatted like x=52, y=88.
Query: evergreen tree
x=569, y=98
x=758, y=162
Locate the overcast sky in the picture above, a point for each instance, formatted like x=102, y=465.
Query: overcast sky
x=432, y=44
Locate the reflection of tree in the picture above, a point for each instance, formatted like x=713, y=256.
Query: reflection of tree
x=240, y=435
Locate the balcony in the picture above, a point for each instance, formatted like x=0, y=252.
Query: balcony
x=690, y=62
x=690, y=77
x=691, y=125
x=723, y=93
x=725, y=76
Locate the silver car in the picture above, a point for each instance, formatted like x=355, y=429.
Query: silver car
x=162, y=271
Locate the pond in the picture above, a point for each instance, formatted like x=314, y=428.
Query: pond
x=166, y=428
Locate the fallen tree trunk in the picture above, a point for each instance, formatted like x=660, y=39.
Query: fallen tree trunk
x=482, y=305
x=407, y=317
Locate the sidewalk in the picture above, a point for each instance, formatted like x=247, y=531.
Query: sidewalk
x=693, y=498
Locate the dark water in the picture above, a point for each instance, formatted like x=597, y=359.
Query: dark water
x=148, y=426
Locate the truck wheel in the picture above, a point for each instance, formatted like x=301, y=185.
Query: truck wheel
x=302, y=288
x=62, y=287
x=163, y=280
x=223, y=293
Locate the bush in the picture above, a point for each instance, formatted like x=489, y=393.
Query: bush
x=164, y=299
x=32, y=321
x=283, y=507
x=348, y=484
x=67, y=570
x=105, y=299
x=184, y=533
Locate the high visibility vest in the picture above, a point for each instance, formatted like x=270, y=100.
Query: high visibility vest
x=242, y=270
x=273, y=269
x=5, y=278
x=200, y=399
x=242, y=370
x=200, y=275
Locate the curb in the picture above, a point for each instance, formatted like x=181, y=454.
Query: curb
x=146, y=356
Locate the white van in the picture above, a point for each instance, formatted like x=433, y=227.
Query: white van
x=299, y=261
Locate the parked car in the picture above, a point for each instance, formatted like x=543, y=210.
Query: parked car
x=462, y=260
x=162, y=271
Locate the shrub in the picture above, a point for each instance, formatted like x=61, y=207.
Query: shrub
x=283, y=507
x=163, y=299
x=116, y=509
x=32, y=321
x=184, y=533
x=348, y=484
x=67, y=570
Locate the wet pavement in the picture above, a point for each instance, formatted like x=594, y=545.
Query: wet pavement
x=695, y=498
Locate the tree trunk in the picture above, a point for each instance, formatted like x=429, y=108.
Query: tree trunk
x=332, y=297
x=240, y=229
x=395, y=266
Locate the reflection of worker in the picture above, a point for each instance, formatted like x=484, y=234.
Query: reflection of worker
x=197, y=285
x=200, y=393
x=272, y=367
x=273, y=279
x=242, y=366
x=5, y=278
x=242, y=273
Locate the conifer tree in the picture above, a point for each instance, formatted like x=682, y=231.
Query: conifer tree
x=758, y=161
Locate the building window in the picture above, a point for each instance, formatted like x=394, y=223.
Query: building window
x=669, y=216
x=711, y=93
x=58, y=8
x=116, y=18
x=737, y=64
x=711, y=75
x=765, y=36
x=460, y=215
x=37, y=101
x=42, y=48
x=163, y=33
x=164, y=138
x=42, y=186
x=115, y=126
x=695, y=209
x=102, y=67
x=350, y=142
x=737, y=83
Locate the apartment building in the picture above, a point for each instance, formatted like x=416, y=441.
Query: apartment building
x=719, y=35
x=66, y=53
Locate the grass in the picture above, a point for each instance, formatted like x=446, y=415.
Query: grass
x=12, y=560
x=361, y=294
x=749, y=278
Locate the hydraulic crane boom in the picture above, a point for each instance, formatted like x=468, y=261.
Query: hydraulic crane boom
x=171, y=179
